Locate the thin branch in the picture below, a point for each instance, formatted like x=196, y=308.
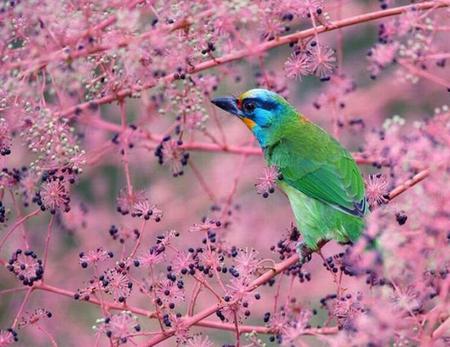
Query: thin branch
x=17, y=224
x=276, y=270
x=258, y=50
x=22, y=306
x=107, y=305
x=409, y=183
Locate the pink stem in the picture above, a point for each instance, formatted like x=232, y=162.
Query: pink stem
x=292, y=38
x=17, y=224
x=22, y=306
x=47, y=240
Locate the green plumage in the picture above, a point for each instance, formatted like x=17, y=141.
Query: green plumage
x=322, y=181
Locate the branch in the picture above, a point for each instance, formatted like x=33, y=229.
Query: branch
x=409, y=183
x=107, y=305
x=259, y=49
x=198, y=319
x=243, y=329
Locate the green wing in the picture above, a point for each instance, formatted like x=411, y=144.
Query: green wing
x=313, y=162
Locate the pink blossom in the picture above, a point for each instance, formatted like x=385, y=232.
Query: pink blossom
x=94, y=257
x=376, y=189
x=298, y=65
x=26, y=266
x=323, y=60
x=119, y=327
x=34, y=317
x=381, y=56
x=103, y=103
x=266, y=184
x=54, y=195
x=117, y=283
x=7, y=337
x=199, y=341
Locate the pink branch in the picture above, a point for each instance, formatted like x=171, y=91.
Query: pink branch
x=16, y=225
x=107, y=305
x=47, y=240
x=243, y=329
x=22, y=307
x=259, y=49
x=409, y=183
x=276, y=270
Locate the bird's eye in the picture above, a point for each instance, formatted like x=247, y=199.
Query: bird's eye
x=248, y=106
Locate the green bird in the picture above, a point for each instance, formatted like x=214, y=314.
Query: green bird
x=324, y=185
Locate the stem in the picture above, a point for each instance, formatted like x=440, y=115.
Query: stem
x=409, y=183
x=138, y=240
x=422, y=73
x=257, y=50
x=202, y=181
x=47, y=240
x=107, y=305
x=123, y=122
x=22, y=306
x=17, y=224
x=53, y=341
x=276, y=270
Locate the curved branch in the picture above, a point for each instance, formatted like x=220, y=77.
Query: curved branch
x=259, y=49
x=198, y=319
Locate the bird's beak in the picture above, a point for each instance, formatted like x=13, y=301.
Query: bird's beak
x=229, y=104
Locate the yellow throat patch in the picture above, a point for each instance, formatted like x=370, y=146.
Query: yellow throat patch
x=248, y=122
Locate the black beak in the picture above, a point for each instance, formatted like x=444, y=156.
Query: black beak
x=227, y=103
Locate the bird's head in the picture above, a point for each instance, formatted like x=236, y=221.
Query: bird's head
x=260, y=109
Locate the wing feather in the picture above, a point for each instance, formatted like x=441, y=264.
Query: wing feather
x=321, y=168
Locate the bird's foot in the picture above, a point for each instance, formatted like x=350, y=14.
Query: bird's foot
x=304, y=252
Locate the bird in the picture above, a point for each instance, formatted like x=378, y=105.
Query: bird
x=322, y=181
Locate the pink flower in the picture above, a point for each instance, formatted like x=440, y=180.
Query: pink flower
x=171, y=154
x=94, y=257
x=169, y=293
x=54, y=195
x=346, y=309
x=207, y=225
x=266, y=184
x=335, y=95
x=143, y=209
x=298, y=65
x=26, y=266
x=86, y=292
x=181, y=262
x=151, y=257
x=296, y=327
x=306, y=7
x=123, y=233
x=323, y=60
x=7, y=337
x=127, y=201
x=5, y=138
x=116, y=283
x=247, y=262
x=381, y=56
x=119, y=327
x=199, y=341
x=34, y=317
x=376, y=189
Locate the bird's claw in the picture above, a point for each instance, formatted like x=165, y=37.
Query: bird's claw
x=304, y=253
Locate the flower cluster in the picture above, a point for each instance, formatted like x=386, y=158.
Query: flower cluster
x=26, y=266
x=119, y=327
x=102, y=103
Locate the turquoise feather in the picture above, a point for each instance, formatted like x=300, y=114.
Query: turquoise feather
x=324, y=185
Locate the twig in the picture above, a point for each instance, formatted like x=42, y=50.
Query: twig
x=257, y=50
x=277, y=269
x=17, y=224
